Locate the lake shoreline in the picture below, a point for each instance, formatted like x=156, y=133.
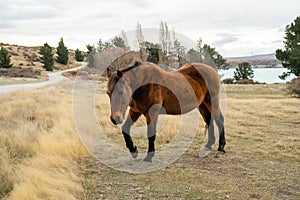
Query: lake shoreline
x=261, y=75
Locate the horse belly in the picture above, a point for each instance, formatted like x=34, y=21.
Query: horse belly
x=177, y=107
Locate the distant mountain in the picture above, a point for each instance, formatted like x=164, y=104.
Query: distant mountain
x=257, y=61
x=270, y=56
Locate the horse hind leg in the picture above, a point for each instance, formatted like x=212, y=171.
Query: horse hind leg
x=209, y=124
x=219, y=118
x=151, y=117
x=222, y=141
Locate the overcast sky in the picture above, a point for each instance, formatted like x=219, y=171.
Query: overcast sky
x=234, y=27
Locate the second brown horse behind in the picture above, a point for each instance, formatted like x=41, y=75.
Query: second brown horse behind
x=149, y=90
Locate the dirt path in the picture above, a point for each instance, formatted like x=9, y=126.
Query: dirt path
x=54, y=77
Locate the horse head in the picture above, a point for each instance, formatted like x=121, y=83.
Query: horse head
x=119, y=92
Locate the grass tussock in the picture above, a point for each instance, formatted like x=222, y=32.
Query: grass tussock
x=294, y=87
x=39, y=146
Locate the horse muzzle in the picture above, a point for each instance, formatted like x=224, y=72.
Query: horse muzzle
x=116, y=120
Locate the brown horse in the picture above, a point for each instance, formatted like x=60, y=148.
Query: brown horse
x=148, y=90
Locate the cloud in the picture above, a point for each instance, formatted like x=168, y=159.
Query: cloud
x=226, y=38
x=277, y=42
x=6, y=25
x=30, y=13
x=90, y=20
x=140, y=3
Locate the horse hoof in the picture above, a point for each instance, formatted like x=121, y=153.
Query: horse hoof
x=219, y=153
x=204, y=152
x=135, y=153
x=149, y=157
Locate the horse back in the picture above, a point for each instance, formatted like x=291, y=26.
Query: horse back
x=203, y=74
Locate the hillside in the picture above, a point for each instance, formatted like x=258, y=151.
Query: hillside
x=26, y=60
x=257, y=61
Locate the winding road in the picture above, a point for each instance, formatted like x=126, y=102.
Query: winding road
x=54, y=77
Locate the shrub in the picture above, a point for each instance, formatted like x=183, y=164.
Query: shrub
x=228, y=81
x=245, y=81
x=294, y=87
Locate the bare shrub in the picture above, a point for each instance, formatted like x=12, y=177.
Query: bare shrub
x=228, y=81
x=294, y=87
x=245, y=81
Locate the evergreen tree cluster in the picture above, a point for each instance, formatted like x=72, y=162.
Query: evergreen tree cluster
x=62, y=53
x=79, y=57
x=47, y=57
x=5, y=58
x=243, y=71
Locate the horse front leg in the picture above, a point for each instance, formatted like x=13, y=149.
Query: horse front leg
x=151, y=118
x=131, y=118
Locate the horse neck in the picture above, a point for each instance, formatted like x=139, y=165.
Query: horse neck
x=145, y=75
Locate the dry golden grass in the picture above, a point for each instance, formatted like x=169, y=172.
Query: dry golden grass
x=10, y=81
x=39, y=146
x=22, y=56
x=40, y=149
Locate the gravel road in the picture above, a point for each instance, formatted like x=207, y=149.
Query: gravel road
x=54, y=77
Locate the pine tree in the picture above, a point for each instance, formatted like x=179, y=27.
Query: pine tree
x=90, y=57
x=47, y=57
x=290, y=57
x=118, y=42
x=153, y=52
x=243, y=71
x=107, y=45
x=62, y=53
x=193, y=56
x=213, y=58
x=79, y=57
x=100, y=45
x=4, y=58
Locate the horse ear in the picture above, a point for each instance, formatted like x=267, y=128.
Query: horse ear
x=137, y=63
x=119, y=74
x=108, y=72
